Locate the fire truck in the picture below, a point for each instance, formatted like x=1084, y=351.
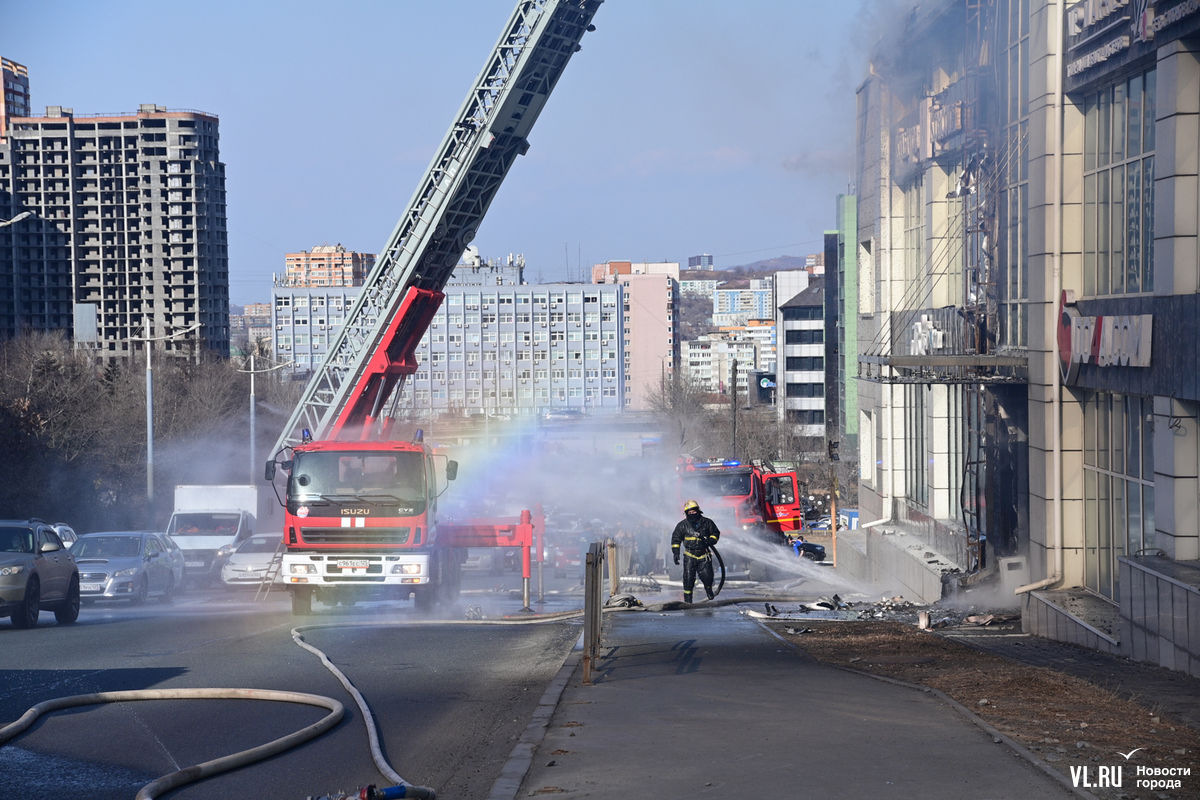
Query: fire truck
x=360, y=508
x=759, y=498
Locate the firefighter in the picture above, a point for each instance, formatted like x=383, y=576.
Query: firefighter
x=696, y=533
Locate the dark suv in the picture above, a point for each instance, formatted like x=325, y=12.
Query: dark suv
x=36, y=572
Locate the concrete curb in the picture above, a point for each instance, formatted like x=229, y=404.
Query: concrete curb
x=521, y=759
x=996, y=735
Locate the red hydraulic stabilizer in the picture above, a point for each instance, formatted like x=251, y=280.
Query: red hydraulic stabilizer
x=496, y=532
x=392, y=360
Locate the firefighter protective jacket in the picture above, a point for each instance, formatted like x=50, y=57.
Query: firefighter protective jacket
x=695, y=535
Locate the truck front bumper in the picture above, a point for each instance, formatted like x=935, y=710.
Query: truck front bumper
x=355, y=570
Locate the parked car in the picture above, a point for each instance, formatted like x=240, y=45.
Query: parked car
x=562, y=414
x=483, y=559
x=126, y=565
x=247, y=565
x=66, y=533
x=37, y=572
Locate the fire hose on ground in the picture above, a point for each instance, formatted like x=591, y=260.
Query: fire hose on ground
x=217, y=766
x=337, y=711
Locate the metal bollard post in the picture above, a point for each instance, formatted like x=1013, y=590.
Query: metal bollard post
x=614, y=580
x=591, y=578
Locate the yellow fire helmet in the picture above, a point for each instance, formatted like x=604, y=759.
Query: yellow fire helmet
x=691, y=505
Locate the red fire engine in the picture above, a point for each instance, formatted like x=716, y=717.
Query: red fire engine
x=758, y=496
x=360, y=512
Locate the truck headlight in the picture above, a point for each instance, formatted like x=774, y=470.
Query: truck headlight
x=303, y=569
x=126, y=573
x=13, y=570
x=406, y=569
x=225, y=552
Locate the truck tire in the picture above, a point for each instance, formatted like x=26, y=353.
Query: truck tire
x=423, y=599
x=301, y=602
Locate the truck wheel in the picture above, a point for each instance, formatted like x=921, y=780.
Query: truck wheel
x=301, y=602
x=423, y=600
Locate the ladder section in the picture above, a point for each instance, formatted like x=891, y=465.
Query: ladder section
x=443, y=215
x=273, y=570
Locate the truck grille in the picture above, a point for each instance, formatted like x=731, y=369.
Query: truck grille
x=355, y=535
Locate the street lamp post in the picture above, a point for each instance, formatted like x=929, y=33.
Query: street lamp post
x=254, y=465
x=149, y=340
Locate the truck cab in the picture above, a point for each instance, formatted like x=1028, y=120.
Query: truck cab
x=360, y=522
x=208, y=522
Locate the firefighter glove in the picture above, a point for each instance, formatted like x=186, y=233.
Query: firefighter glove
x=677, y=559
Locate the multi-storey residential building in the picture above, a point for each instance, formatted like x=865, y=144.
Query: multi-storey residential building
x=651, y=329
x=14, y=102
x=703, y=261
x=304, y=320
x=1029, y=302
x=520, y=350
x=327, y=265
x=709, y=361
x=258, y=323
x=800, y=364
x=698, y=284
x=735, y=306
x=127, y=222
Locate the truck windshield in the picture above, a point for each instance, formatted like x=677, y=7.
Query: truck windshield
x=204, y=524
x=386, y=477
x=716, y=484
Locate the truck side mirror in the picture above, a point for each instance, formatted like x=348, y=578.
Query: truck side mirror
x=270, y=473
x=451, y=470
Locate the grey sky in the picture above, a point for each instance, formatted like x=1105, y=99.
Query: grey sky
x=683, y=126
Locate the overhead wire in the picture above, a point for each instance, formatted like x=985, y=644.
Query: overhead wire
x=910, y=296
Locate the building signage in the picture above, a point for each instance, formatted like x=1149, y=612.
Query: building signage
x=1098, y=56
x=945, y=121
x=1110, y=341
x=1116, y=33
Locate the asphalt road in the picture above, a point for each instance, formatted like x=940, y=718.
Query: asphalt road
x=450, y=700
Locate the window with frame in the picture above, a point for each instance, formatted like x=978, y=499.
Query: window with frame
x=1118, y=188
x=1118, y=485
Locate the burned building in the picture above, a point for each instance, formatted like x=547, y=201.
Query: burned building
x=1026, y=250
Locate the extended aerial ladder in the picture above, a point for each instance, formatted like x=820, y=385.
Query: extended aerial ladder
x=374, y=351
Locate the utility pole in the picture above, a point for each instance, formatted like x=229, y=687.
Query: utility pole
x=733, y=406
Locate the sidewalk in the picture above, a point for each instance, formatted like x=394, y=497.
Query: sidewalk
x=707, y=702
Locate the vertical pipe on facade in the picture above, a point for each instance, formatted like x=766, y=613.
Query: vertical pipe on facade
x=1057, y=385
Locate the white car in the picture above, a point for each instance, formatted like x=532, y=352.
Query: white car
x=66, y=533
x=249, y=562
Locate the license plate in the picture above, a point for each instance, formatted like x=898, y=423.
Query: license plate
x=193, y=563
x=353, y=563
x=90, y=587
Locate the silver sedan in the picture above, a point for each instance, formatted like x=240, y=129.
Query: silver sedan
x=124, y=565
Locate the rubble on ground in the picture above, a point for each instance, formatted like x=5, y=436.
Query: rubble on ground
x=894, y=609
